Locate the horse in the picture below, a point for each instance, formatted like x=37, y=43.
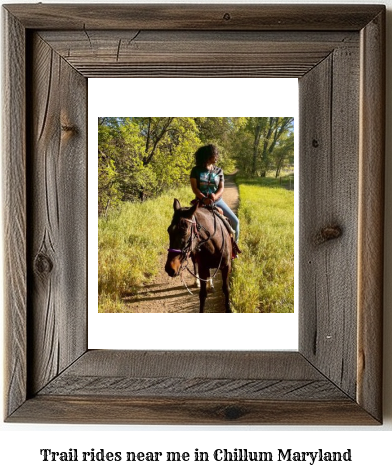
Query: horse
x=197, y=233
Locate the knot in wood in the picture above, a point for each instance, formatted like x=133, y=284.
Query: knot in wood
x=43, y=264
x=315, y=143
x=68, y=128
x=227, y=16
x=232, y=413
x=328, y=233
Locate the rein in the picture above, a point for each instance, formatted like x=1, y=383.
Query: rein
x=186, y=251
x=220, y=261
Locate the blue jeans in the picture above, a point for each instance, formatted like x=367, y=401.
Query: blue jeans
x=234, y=221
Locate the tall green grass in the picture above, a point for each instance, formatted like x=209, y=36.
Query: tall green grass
x=263, y=276
x=131, y=240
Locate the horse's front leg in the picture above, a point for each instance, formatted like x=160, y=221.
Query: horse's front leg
x=225, y=287
x=210, y=284
x=196, y=270
x=204, y=275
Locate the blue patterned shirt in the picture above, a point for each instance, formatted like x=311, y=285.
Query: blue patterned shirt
x=207, y=180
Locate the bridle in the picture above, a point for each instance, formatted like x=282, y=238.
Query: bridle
x=186, y=251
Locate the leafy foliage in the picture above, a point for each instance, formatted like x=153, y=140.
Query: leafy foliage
x=263, y=144
x=141, y=157
x=146, y=155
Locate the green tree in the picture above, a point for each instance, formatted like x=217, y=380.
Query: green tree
x=283, y=155
x=256, y=140
x=109, y=140
x=140, y=157
x=219, y=131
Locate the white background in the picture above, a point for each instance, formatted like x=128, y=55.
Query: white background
x=125, y=97
x=20, y=444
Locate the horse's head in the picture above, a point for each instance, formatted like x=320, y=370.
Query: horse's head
x=180, y=234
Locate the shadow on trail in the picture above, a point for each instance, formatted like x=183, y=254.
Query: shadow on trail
x=144, y=294
x=147, y=290
x=165, y=298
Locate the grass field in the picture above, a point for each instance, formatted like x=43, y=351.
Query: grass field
x=263, y=276
x=131, y=241
x=133, y=238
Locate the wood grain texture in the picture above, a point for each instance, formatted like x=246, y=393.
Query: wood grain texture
x=14, y=209
x=329, y=135
x=206, y=374
x=119, y=410
x=129, y=53
x=195, y=17
x=336, y=376
x=188, y=387
x=208, y=364
x=57, y=215
x=371, y=216
x=199, y=387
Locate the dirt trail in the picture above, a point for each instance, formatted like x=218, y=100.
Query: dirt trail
x=169, y=295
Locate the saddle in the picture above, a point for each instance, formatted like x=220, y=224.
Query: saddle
x=219, y=213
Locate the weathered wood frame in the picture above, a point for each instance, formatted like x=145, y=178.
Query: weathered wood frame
x=337, y=52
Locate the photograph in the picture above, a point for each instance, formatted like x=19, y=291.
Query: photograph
x=196, y=214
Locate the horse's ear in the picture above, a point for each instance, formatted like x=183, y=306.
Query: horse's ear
x=189, y=213
x=176, y=205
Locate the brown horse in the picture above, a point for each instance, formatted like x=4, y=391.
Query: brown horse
x=197, y=233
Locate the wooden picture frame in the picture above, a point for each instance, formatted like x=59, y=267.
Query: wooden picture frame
x=338, y=54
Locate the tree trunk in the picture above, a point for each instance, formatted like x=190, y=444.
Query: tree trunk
x=256, y=147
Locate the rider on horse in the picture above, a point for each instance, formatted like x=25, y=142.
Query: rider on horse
x=207, y=181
